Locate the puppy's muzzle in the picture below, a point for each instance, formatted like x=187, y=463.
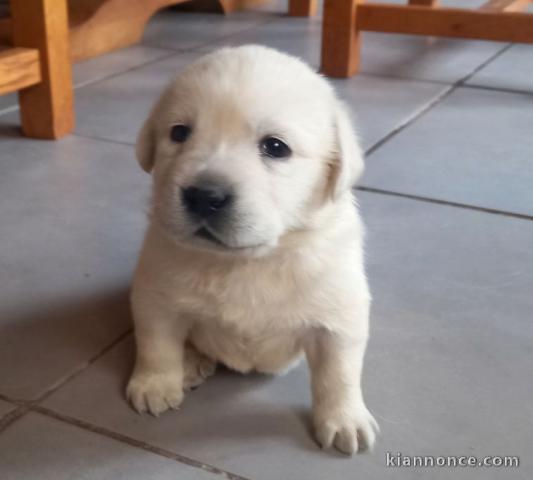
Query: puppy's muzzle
x=207, y=200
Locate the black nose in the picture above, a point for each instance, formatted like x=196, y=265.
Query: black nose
x=206, y=200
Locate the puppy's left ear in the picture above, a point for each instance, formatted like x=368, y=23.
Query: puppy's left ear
x=146, y=144
x=347, y=162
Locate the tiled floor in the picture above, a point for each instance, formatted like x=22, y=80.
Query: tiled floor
x=448, y=201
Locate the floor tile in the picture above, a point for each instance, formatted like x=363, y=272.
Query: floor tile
x=98, y=68
x=512, y=70
x=474, y=148
x=7, y=102
x=379, y=105
x=38, y=447
x=183, y=31
x=116, y=108
x=449, y=352
x=72, y=215
x=423, y=58
x=277, y=6
x=300, y=37
x=5, y=408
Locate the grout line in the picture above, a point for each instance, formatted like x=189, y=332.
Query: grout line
x=432, y=103
x=127, y=70
x=14, y=401
x=405, y=78
x=136, y=443
x=24, y=406
x=465, y=206
x=171, y=53
x=11, y=108
x=102, y=139
x=475, y=86
x=482, y=65
x=13, y=416
x=411, y=119
x=67, y=378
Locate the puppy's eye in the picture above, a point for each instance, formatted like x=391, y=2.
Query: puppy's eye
x=180, y=133
x=274, y=147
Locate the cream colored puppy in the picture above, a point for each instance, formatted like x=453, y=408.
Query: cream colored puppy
x=254, y=253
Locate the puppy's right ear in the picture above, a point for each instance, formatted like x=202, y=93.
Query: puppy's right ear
x=146, y=145
x=347, y=162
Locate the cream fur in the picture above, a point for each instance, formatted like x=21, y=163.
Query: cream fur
x=291, y=280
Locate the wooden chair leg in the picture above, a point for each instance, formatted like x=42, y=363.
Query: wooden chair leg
x=303, y=8
x=341, y=42
x=46, y=108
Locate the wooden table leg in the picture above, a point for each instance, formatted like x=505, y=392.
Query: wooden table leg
x=46, y=108
x=303, y=8
x=341, y=43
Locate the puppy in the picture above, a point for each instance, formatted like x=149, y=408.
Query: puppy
x=254, y=253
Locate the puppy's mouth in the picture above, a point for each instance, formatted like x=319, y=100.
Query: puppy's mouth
x=210, y=237
x=207, y=234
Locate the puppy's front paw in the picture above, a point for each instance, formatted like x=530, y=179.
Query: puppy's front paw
x=155, y=392
x=349, y=430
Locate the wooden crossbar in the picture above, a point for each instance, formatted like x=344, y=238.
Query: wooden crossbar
x=19, y=68
x=344, y=20
x=446, y=22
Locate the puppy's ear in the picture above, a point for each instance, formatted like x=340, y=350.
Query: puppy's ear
x=146, y=144
x=347, y=162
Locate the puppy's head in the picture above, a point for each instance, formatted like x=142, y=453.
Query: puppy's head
x=246, y=146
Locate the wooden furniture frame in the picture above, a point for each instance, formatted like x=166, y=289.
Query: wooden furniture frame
x=499, y=20
x=101, y=26
x=38, y=67
x=45, y=35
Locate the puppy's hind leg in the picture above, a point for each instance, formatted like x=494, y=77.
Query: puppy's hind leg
x=280, y=357
x=196, y=367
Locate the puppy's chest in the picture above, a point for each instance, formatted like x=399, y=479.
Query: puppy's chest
x=249, y=302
